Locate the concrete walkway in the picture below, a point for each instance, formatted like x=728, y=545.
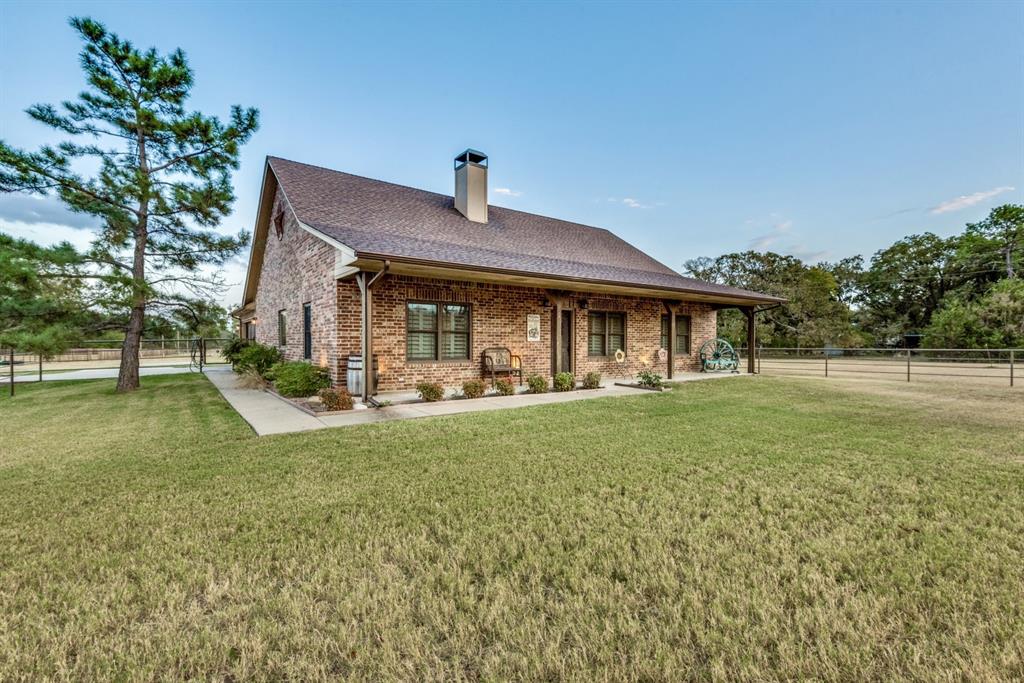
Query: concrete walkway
x=269, y=414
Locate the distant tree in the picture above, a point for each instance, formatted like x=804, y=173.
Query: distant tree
x=906, y=283
x=994, y=247
x=163, y=180
x=996, y=320
x=814, y=314
x=848, y=274
x=42, y=308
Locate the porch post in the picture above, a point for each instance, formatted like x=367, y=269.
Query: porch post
x=671, y=309
x=751, y=338
x=365, y=338
x=366, y=284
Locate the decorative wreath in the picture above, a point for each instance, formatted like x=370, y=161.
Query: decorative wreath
x=662, y=354
x=620, y=356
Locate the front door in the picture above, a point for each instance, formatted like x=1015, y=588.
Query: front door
x=566, y=349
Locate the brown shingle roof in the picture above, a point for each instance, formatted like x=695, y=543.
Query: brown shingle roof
x=381, y=219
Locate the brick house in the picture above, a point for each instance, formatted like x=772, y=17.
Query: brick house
x=438, y=279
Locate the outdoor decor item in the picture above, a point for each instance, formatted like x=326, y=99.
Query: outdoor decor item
x=717, y=355
x=499, y=360
x=620, y=360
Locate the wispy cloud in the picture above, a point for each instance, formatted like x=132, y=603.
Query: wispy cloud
x=964, y=201
x=779, y=230
x=634, y=203
x=893, y=214
x=508, y=192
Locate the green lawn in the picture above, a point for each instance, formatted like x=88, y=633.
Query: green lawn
x=756, y=528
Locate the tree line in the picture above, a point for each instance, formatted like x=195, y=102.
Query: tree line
x=964, y=291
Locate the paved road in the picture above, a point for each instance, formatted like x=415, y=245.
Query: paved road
x=93, y=373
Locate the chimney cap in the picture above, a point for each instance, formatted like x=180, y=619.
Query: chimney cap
x=471, y=156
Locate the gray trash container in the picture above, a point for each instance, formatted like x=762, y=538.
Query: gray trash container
x=354, y=375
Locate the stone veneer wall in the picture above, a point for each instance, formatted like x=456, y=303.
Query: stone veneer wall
x=298, y=268
x=498, y=318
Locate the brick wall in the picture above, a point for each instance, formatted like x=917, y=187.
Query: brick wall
x=498, y=318
x=298, y=268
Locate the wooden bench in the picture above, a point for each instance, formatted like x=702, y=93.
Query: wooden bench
x=499, y=360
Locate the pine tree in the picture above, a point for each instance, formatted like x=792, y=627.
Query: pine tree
x=160, y=179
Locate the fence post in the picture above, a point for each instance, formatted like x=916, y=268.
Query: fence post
x=758, y=360
x=40, y=366
x=12, y=371
x=826, y=362
x=1011, y=367
x=202, y=353
x=908, y=365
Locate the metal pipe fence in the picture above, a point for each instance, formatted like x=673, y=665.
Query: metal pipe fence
x=92, y=357
x=991, y=366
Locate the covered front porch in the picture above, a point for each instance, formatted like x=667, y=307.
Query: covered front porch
x=552, y=326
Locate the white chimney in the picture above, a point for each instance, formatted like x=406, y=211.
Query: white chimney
x=471, y=185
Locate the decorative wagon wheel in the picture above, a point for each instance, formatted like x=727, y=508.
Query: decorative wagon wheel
x=718, y=354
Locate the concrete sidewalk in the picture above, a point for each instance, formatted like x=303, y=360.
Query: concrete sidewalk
x=265, y=412
x=268, y=414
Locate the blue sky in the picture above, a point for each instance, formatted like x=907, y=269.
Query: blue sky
x=821, y=130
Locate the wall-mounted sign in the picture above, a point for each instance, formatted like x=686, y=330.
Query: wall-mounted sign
x=533, y=327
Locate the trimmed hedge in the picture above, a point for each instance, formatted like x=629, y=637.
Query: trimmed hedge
x=473, y=388
x=564, y=381
x=504, y=387
x=537, y=384
x=430, y=391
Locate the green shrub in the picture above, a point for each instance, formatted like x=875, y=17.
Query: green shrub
x=649, y=378
x=299, y=378
x=335, y=399
x=473, y=388
x=592, y=380
x=504, y=387
x=537, y=384
x=430, y=391
x=258, y=357
x=233, y=348
x=564, y=381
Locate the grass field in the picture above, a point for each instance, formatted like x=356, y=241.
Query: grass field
x=758, y=528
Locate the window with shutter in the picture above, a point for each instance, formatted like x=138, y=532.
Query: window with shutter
x=455, y=332
x=436, y=331
x=682, y=346
x=606, y=333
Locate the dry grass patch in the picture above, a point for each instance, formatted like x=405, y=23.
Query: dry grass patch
x=754, y=528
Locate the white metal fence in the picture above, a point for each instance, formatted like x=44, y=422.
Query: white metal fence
x=986, y=366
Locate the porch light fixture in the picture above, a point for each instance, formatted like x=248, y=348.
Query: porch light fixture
x=583, y=304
